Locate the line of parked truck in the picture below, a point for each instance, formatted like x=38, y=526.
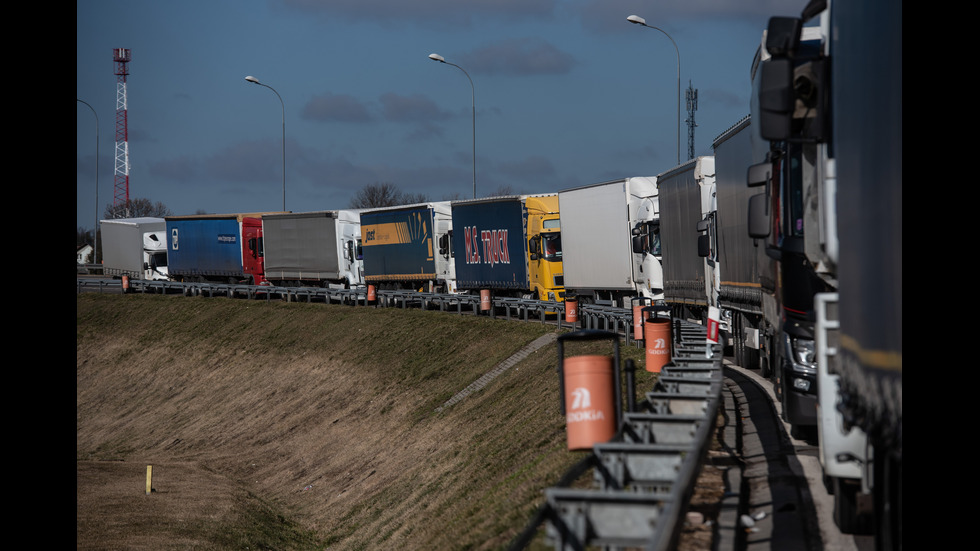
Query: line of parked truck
x=791, y=230
x=510, y=245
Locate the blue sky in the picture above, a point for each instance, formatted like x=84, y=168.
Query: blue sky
x=567, y=93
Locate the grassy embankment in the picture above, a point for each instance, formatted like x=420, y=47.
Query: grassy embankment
x=304, y=426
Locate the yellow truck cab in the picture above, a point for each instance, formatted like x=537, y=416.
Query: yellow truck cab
x=544, y=266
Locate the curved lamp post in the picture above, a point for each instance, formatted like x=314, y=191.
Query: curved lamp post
x=440, y=59
x=95, y=235
x=256, y=81
x=640, y=21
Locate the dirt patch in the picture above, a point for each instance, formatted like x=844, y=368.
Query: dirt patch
x=113, y=509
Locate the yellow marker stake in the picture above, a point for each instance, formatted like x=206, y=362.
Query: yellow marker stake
x=149, y=475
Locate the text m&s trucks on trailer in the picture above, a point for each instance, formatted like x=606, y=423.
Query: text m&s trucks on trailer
x=510, y=245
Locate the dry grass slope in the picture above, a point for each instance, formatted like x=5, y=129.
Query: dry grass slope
x=298, y=426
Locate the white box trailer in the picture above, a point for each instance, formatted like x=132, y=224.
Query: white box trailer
x=134, y=247
x=611, y=241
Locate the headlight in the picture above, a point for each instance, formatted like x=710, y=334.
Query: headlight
x=802, y=354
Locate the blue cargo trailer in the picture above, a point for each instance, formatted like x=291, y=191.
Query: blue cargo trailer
x=408, y=247
x=208, y=248
x=490, y=244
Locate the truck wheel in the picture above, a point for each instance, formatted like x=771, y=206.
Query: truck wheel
x=888, y=503
x=794, y=430
x=748, y=357
x=846, y=514
x=777, y=378
x=765, y=360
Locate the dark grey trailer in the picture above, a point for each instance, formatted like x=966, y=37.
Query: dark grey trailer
x=686, y=207
x=747, y=275
x=318, y=249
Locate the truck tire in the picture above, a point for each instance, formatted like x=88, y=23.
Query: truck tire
x=846, y=514
x=888, y=503
x=748, y=357
x=766, y=360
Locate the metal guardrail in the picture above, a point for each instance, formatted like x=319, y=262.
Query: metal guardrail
x=591, y=316
x=100, y=285
x=642, y=479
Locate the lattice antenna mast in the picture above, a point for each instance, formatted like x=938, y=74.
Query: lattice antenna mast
x=120, y=203
x=692, y=105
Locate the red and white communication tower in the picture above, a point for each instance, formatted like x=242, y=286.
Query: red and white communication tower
x=120, y=203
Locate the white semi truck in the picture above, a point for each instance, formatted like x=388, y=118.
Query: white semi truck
x=315, y=249
x=611, y=241
x=135, y=247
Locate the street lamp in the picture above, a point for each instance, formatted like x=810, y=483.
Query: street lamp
x=95, y=234
x=256, y=81
x=640, y=21
x=440, y=59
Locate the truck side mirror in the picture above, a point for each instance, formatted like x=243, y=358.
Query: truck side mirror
x=444, y=244
x=704, y=240
x=759, y=216
x=638, y=244
x=534, y=245
x=704, y=246
x=783, y=36
x=776, y=101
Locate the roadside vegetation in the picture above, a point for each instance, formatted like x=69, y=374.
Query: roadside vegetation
x=272, y=425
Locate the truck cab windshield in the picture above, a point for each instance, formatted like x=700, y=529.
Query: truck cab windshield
x=159, y=260
x=551, y=246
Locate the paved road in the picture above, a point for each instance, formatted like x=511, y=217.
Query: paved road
x=782, y=485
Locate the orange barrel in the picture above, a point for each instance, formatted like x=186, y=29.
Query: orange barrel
x=571, y=310
x=637, y=321
x=638, y=304
x=590, y=413
x=372, y=294
x=656, y=335
x=125, y=283
x=484, y=299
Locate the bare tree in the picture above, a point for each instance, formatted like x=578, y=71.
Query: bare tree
x=136, y=208
x=503, y=191
x=410, y=198
x=83, y=237
x=383, y=194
